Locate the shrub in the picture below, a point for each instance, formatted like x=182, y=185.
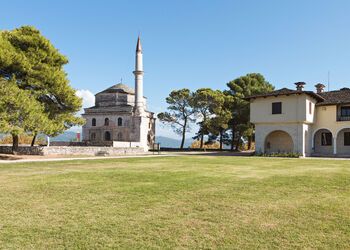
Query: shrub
x=287, y=154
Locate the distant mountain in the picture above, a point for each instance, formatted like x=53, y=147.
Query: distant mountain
x=172, y=143
x=66, y=136
x=164, y=141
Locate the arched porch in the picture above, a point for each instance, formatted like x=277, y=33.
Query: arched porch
x=343, y=142
x=323, y=142
x=278, y=141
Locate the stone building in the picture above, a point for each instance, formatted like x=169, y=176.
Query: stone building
x=120, y=117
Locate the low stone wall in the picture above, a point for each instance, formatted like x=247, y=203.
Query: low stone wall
x=68, y=150
x=68, y=143
x=22, y=150
x=91, y=151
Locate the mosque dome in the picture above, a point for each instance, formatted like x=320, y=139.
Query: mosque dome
x=120, y=87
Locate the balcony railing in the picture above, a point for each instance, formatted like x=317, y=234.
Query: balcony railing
x=343, y=118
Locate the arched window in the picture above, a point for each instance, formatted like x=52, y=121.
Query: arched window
x=106, y=122
x=107, y=136
x=120, y=136
x=120, y=122
x=93, y=122
x=93, y=136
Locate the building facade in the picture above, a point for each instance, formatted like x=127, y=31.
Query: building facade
x=305, y=122
x=120, y=117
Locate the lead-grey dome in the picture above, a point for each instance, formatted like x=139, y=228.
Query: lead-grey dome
x=120, y=87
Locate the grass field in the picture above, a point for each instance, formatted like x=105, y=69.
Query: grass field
x=176, y=202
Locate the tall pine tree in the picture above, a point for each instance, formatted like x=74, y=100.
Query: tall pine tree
x=36, y=66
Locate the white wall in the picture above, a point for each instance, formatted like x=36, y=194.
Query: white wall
x=326, y=117
x=294, y=109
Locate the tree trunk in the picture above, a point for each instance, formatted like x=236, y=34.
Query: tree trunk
x=183, y=134
x=250, y=139
x=220, y=140
x=33, y=141
x=233, y=137
x=237, y=142
x=15, y=142
x=202, y=140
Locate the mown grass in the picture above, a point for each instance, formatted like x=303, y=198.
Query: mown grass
x=176, y=202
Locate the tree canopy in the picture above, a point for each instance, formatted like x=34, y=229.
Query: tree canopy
x=30, y=61
x=209, y=106
x=20, y=112
x=239, y=89
x=180, y=112
x=220, y=115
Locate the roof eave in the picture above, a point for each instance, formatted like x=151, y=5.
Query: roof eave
x=312, y=94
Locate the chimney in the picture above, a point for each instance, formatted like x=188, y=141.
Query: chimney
x=319, y=88
x=300, y=85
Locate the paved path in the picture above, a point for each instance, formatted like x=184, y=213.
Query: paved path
x=150, y=154
x=82, y=158
x=147, y=155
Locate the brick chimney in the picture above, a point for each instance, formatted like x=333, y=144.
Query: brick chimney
x=300, y=85
x=319, y=88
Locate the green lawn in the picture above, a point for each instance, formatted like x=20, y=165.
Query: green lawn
x=176, y=202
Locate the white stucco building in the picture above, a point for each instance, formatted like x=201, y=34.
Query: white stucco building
x=304, y=122
x=120, y=117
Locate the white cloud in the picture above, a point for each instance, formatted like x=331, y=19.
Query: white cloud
x=88, y=97
x=88, y=101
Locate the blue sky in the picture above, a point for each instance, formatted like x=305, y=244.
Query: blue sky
x=193, y=43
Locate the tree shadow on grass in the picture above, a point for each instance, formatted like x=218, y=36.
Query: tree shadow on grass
x=9, y=157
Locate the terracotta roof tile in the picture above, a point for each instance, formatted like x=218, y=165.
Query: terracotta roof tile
x=341, y=96
x=335, y=97
x=286, y=91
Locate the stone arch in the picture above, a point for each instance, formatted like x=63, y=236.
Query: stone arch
x=120, y=122
x=106, y=121
x=342, y=141
x=278, y=141
x=323, y=142
x=108, y=136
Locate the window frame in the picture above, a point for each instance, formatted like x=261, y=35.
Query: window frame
x=120, y=122
x=93, y=122
x=109, y=136
x=106, y=121
x=310, y=108
x=347, y=108
x=277, y=110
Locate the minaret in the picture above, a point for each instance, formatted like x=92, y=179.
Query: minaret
x=139, y=105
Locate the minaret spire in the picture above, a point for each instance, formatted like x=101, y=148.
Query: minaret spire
x=139, y=105
x=138, y=45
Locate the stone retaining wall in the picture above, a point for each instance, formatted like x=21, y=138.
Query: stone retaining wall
x=66, y=150
x=22, y=150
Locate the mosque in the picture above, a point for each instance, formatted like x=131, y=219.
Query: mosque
x=120, y=117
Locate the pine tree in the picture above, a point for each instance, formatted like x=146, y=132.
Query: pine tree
x=36, y=66
x=20, y=112
x=239, y=89
x=180, y=112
